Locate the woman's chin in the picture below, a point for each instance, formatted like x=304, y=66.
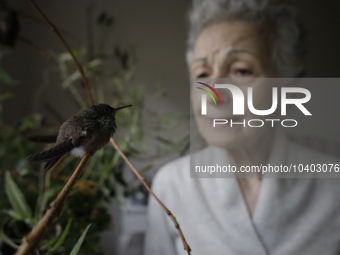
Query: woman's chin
x=221, y=136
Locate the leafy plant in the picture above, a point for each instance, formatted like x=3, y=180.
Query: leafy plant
x=26, y=193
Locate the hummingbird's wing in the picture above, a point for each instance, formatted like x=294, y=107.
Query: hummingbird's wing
x=43, y=139
x=55, y=152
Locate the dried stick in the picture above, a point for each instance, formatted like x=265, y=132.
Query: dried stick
x=80, y=68
x=31, y=241
x=141, y=178
x=167, y=211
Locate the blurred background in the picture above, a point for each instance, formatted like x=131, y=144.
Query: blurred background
x=152, y=35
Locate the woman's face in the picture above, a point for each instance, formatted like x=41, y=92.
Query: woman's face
x=232, y=49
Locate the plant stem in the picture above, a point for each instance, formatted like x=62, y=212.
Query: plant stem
x=80, y=68
x=31, y=241
x=141, y=178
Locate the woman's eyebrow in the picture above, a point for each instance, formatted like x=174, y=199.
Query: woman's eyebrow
x=203, y=59
x=228, y=54
x=238, y=51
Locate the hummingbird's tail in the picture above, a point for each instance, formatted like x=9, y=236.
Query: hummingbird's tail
x=50, y=164
x=55, y=152
x=52, y=155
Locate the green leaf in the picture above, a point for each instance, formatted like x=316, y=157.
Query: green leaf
x=63, y=235
x=16, y=198
x=66, y=56
x=14, y=215
x=80, y=241
x=29, y=122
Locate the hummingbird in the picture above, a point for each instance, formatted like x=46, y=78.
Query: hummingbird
x=84, y=133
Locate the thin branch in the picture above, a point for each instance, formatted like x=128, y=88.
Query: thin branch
x=141, y=178
x=80, y=68
x=31, y=241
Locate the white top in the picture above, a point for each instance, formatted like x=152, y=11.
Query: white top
x=292, y=216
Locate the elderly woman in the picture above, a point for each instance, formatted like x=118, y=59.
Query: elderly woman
x=277, y=216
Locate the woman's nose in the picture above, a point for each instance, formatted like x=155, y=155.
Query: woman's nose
x=218, y=73
x=220, y=77
x=219, y=69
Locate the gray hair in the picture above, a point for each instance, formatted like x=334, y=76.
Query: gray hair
x=278, y=18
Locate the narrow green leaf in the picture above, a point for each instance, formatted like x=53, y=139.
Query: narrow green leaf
x=80, y=241
x=16, y=198
x=14, y=215
x=63, y=235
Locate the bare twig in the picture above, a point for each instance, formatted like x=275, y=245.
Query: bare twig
x=80, y=68
x=31, y=241
x=141, y=178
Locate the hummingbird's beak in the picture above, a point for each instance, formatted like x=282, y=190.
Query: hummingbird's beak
x=120, y=108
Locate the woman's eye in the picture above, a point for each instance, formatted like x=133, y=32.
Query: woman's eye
x=202, y=75
x=243, y=72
